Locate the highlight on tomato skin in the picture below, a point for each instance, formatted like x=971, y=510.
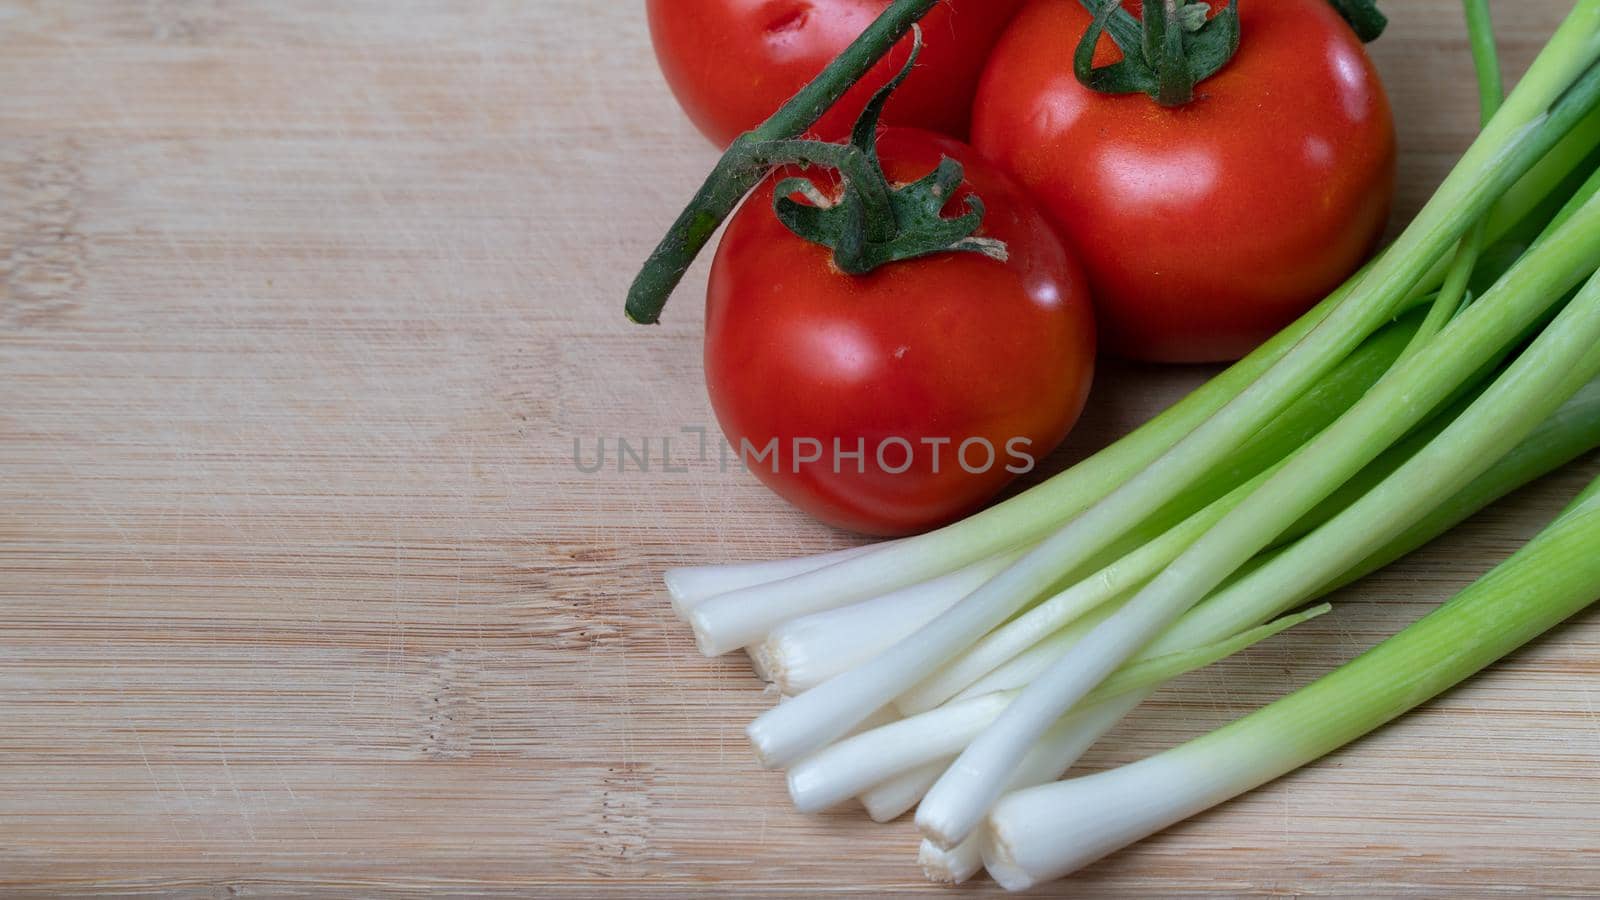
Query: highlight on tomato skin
x=1204, y=228
x=731, y=63
x=954, y=347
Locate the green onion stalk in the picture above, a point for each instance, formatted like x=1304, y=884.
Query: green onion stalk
x=1046, y=832
x=857, y=763
x=1491, y=93
x=903, y=759
x=1573, y=431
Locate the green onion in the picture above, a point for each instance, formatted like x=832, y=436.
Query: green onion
x=1573, y=430
x=692, y=585
x=1112, y=583
x=802, y=653
x=889, y=800
x=1540, y=380
x=1055, y=753
x=1045, y=832
x=1491, y=93
x=855, y=764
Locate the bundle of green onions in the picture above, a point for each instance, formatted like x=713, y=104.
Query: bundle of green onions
x=964, y=670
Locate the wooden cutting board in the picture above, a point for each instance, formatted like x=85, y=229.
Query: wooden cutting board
x=303, y=307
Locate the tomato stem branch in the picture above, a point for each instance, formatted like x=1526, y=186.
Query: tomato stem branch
x=741, y=168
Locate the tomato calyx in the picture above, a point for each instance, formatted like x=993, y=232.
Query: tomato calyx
x=1177, y=44
x=871, y=222
x=1174, y=47
x=740, y=169
x=1364, y=18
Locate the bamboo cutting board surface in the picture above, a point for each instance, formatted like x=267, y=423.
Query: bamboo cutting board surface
x=303, y=306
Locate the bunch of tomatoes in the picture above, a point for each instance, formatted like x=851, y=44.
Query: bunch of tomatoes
x=901, y=399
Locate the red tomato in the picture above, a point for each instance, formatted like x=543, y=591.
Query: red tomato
x=954, y=347
x=1206, y=228
x=732, y=63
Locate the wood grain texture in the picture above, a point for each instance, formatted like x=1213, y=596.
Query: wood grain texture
x=302, y=308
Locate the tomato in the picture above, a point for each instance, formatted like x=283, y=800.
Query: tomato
x=1204, y=228
x=918, y=364
x=732, y=63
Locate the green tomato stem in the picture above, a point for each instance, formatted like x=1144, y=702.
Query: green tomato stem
x=740, y=169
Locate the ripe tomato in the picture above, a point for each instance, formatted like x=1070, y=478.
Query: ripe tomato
x=732, y=63
x=1205, y=228
x=912, y=361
